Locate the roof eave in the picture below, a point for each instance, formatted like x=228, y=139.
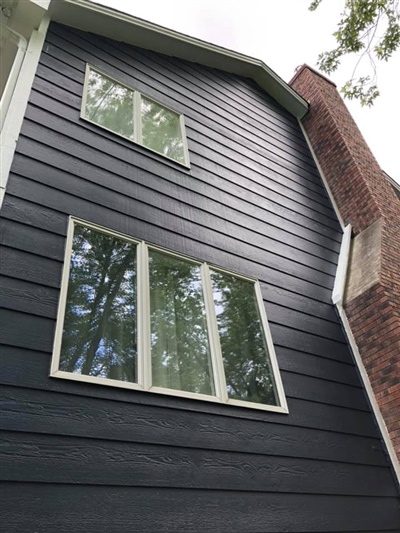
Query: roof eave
x=95, y=18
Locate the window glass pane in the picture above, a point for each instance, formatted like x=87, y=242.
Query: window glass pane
x=244, y=348
x=109, y=104
x=179, y=340
x=161, y=130
x=99, y=337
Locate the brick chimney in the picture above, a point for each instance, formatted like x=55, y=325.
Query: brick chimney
x=367, y=201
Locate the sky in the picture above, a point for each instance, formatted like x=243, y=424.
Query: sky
x=285, y=34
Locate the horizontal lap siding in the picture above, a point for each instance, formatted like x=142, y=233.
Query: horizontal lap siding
x=252, y=202
x=190, y=510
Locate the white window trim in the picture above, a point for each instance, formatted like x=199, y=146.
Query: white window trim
x=137, y=126
x=143, y=324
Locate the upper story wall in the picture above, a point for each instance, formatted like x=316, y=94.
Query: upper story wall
x=252, y=202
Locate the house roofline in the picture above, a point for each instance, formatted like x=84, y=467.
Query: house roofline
x=95, y=18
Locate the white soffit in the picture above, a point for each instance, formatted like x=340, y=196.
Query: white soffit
x=24, y=16
x=95, y=18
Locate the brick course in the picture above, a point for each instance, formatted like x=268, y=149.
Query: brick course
x=363, y=196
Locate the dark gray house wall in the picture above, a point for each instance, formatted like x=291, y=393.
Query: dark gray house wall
x=79, y=457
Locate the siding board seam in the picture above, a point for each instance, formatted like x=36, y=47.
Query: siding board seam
x=322, y=260
x=264, y=264
x=156, y=403
x=313, y=172
x=317, y=208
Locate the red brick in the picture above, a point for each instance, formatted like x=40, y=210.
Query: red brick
x=363, y=196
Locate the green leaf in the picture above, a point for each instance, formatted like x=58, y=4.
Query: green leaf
x=369, y=29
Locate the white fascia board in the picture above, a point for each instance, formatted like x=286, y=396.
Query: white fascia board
x=94, y=18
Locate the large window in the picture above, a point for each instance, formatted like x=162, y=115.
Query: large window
x=123, y=110
x=136, y=316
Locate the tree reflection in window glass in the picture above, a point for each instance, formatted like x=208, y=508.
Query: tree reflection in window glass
x=161, y=130
x=179, y=339
x=110, y=104
x=99, y=337
x=244, y=348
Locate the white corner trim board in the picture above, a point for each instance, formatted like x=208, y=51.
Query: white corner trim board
x=335, y=206
x=337, y=299
x=370, y=393
x=18, y=102
x=22, y=44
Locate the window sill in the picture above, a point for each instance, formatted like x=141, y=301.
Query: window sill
x=167, y=392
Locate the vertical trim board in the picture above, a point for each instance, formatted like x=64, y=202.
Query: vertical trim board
x=19, y=101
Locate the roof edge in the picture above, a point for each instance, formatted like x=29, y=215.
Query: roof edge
x=95, y=18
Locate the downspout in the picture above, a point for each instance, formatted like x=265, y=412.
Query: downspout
x=337, y=299
x=22, y=44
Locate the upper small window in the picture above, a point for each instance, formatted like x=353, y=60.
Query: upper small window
x=121, y=109
x=137, y=316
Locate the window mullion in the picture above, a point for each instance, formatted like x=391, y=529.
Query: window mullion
x=143, y=319
x=137, y=115
x=184, y=139
x=215, y=346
